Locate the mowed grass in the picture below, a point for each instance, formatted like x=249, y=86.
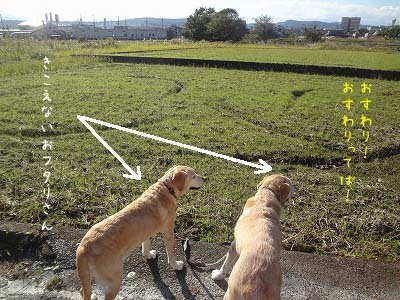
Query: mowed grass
x=25, y=56
x=384, y=60
x=292, y=121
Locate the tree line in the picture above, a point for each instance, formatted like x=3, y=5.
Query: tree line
x=226, y=25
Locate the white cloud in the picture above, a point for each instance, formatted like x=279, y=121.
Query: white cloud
x=73, y=9
x=279, y=10
x=326, y=11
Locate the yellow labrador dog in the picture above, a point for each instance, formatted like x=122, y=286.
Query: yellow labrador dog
x=104, y=247
x=257, y=273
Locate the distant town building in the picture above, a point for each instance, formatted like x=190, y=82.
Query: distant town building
x=81, y=31
x=280, y=31
x=53, y=29
x=350, y=24
x=336, y=33
x=174, y=32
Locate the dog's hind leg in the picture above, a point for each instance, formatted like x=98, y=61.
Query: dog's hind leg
x=146, y=252
x=82, y=267
x=109, y=277
x=231, y=257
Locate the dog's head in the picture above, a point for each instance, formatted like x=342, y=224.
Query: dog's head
x=280, y=185
x=182, y=179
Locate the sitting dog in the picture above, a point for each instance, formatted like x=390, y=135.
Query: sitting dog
x=104, y=247
x=257, y=245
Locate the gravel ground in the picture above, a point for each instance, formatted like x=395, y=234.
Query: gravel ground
x=42, y=266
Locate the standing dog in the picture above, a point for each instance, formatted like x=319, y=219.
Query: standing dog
x=257, y=273
x=104, y=247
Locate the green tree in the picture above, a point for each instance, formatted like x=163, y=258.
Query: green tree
x=312, y=35
x=264, y=29
x=391, y=33
x=226, y=25
x=196, y=25
x=171, y=32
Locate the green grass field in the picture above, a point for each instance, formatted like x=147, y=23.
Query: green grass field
x=296, y=55
x=292, y=121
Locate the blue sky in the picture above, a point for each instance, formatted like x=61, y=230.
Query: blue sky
x=371, y=12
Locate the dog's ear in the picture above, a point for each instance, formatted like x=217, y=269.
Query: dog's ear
x=284, y=190
x=178, y=180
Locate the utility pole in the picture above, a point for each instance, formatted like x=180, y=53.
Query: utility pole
x=2, y=23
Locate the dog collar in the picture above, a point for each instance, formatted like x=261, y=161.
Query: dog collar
x=171, y=190
x=268, y=188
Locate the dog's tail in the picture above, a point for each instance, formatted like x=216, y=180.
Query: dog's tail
x=204, y=265
x=217, y=262
x=82, y=267
x=232, y=248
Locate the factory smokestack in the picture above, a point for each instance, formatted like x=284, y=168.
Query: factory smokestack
x=51, y=18
x=57, y=19
x=46, y=17
x=105, y=23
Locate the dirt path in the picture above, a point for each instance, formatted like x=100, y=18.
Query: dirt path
x=42, y=266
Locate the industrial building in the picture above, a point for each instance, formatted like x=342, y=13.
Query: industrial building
x=81, y=31
x=350, y=24
x=54, y=30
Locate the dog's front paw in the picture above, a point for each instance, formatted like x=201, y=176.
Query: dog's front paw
x=178, y=265
x=152, y=254
x=217, y=275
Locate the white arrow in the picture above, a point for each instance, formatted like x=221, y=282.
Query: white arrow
x=132, y=174
x=263, y=167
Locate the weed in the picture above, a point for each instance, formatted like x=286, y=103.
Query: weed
x=55, y=283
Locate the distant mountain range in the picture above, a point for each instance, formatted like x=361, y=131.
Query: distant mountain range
x=293, y=24
x=10, y=24
x=158, y=22
x=152, y=22
x=136, y=22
